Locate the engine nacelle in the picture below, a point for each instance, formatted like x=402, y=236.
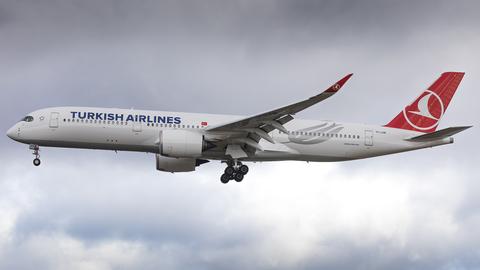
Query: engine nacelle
x=167, y=164
x=182, y=143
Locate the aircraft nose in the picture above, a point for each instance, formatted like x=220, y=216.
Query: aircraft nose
x=11, y=132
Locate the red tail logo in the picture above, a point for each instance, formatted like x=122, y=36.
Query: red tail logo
x=426, y=111
x=420, y=109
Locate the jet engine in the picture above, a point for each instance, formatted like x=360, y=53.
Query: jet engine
x=182, y=144
x=167, y=164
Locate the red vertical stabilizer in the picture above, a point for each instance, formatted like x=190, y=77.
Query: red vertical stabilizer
x=426, y=111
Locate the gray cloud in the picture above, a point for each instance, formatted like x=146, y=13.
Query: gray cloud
x=97, y=209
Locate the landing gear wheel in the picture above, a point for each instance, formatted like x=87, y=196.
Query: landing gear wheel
x=35, y=149
x=238, y=177
x=36, y=162
x=235, y=171
x=225, y=178
x=243, y=169
x=229, y=170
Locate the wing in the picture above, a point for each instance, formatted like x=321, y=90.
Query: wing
x=280, y=113
x=258, y=126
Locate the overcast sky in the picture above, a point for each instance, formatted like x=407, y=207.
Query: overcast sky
x=86, y=209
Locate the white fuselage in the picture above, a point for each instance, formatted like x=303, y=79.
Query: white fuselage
x=138, y=130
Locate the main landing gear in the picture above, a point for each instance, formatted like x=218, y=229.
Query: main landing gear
x=235, y=171
x=35, y=149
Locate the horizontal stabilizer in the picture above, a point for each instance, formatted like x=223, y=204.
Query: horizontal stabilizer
x=438, y=135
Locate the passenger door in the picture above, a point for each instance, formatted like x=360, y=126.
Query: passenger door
x=137, y=126
x=368, y=138
x=54, y=119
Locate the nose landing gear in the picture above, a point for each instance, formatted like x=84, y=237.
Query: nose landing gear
x=235, y=171
x=35, y=149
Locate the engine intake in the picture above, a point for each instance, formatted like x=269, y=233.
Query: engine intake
x=182, y=144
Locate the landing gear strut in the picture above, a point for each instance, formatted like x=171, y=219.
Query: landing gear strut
x=235, y=171
x=35, y=149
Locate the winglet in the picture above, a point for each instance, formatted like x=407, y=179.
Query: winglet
x=335, y=87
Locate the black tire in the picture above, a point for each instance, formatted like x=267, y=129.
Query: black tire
x=225, y=178
x=243, y=169
x=238, y=177
x=229, y=170
x=36, y=162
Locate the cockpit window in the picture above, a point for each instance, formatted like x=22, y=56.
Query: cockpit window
x=27, y=119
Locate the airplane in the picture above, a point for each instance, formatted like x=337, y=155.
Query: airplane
x=183, y=141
